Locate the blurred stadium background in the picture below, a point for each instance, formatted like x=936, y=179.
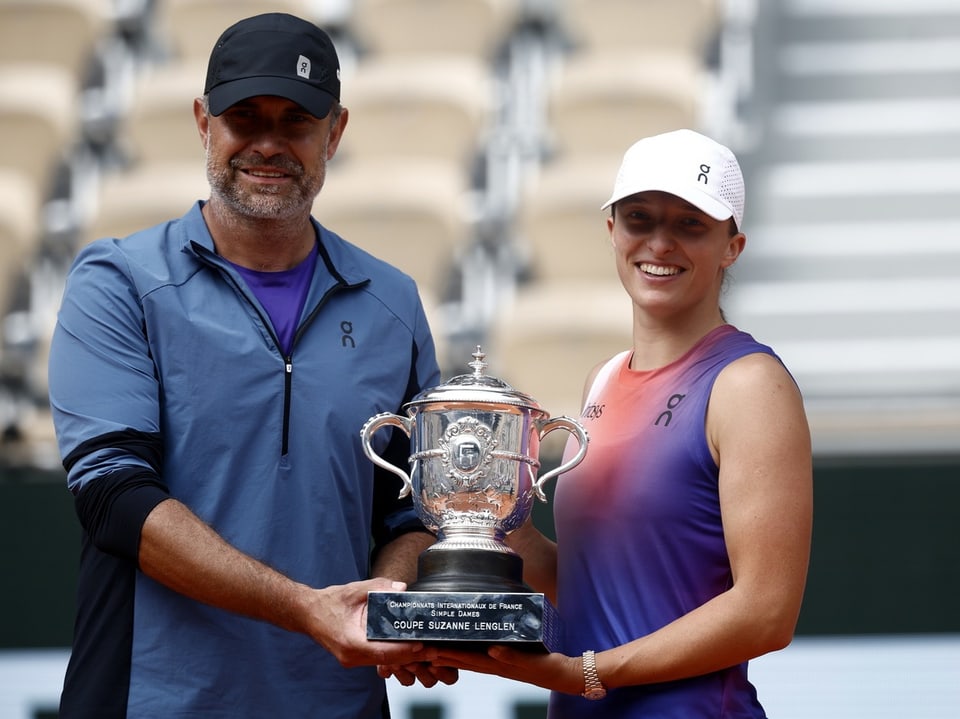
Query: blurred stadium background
x=484, y=136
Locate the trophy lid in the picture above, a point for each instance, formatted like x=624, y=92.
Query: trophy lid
x=476, y=387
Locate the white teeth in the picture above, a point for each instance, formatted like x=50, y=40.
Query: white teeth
x=260, y=173
x=659, y=270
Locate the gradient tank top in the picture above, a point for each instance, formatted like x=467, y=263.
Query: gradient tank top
x=640, y=540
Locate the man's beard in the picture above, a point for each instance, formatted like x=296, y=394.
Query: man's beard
x=267, y=201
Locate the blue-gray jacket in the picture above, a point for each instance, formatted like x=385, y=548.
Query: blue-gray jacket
x=166, y=380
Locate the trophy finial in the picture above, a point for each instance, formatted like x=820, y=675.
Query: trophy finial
x=478, y=364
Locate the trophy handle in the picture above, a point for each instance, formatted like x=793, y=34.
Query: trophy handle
x=574, y=428
x=372, y=425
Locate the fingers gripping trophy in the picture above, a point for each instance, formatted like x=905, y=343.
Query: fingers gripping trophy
x=473, y=473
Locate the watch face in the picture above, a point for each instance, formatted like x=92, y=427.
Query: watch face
x=595, y=694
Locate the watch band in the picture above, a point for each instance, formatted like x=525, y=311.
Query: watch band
x=592, y=686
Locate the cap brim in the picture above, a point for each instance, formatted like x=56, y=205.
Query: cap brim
x=315, y=101
x=706, y=203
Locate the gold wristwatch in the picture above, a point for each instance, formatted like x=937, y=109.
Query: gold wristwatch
x=592, y=687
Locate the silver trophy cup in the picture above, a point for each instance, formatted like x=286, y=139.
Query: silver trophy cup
x=473, y=474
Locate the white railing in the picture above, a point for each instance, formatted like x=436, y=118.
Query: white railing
x=878, y=677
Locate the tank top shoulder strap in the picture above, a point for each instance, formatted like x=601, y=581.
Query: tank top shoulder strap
x=604, y=374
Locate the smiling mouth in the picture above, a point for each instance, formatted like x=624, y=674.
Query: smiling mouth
x=659, y=270
x=265, y=173
x=273, y=168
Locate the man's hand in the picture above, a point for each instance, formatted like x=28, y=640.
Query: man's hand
x=336, y=617
x=425, y=673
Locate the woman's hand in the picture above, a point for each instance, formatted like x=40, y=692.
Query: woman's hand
x=554, y=671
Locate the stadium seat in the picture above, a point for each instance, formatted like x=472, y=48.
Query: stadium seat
x=475, y=28
x=604, y=101
x=547, y=339
x=190, y=28
x=38, y=117
x=19, y=230
x=159, y=125
x=144, y=196
x=62, y=33
x=683, y=25
x=420, y=107
x=409, y=213
x=561, y=230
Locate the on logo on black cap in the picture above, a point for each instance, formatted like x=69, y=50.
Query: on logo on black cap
x=303, y=67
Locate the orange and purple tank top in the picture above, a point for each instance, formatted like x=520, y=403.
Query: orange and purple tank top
x=639, y=531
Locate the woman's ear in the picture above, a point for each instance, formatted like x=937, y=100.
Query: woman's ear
x=735, y=245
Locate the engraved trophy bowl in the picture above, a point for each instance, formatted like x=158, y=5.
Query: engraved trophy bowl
x=473, y=473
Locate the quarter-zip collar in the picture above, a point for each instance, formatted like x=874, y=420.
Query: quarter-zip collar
x=335, y=271
x=340, y=267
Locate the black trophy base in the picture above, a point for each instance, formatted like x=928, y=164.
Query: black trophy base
x=469, y=570
x=467, y=597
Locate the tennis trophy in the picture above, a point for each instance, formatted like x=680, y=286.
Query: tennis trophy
x=473, y=474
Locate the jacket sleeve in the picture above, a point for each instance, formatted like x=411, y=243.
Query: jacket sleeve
x=393, y=517
x=104, y=396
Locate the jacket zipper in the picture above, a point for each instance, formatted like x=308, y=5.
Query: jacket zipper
x=287, y=399
x=288, y=365
x=288, y=360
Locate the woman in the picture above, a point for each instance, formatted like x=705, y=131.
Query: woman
x=683, y=537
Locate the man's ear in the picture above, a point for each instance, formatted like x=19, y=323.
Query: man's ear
x=336, y=133
x=203, y=120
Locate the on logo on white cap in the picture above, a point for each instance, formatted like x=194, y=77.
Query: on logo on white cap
x=704, y=172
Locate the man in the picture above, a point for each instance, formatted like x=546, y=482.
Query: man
x=209, y=378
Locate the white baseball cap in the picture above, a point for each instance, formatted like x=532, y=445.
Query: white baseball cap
x=686, y=164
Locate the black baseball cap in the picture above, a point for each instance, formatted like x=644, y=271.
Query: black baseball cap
x=274, y=54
